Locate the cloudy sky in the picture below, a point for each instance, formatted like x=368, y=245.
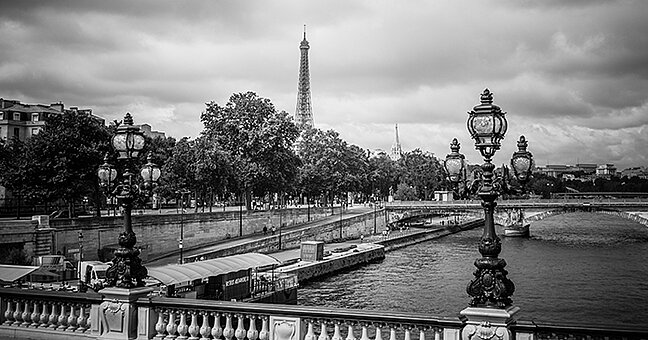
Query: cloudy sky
x=572, y=75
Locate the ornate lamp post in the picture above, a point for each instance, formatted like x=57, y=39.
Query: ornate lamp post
x=127, y=270
x=522, y=162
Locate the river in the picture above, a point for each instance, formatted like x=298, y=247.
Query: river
x=583, y=268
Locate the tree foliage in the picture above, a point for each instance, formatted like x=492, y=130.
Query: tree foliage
x=258, y=140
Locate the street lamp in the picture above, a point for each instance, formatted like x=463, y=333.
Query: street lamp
x=455, y=165
x=127, y=270
x=487, y=125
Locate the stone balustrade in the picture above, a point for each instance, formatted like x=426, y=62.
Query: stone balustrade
x=47, y=314
x=172, y=319
x=132, y=314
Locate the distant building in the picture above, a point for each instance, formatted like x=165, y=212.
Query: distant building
x=554, y=170
x=586, y=168
x=639, y=171
x=146, y=129
x=22, y=120
x=376, y=153
x=605, y=170
x=396, y=151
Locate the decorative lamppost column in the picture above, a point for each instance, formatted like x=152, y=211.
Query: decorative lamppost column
x=127, y=270
x=491, y=309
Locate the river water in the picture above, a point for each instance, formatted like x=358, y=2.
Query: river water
x=581, y=268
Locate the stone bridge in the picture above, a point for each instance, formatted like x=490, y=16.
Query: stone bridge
x=535, y=210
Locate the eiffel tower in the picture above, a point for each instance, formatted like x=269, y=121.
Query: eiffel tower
x=304, y=111
x=396, y=151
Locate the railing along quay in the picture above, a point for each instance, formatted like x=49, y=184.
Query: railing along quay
x=42, y=314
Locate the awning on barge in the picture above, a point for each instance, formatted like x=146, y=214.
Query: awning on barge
x=10, y=273
x=176, y=273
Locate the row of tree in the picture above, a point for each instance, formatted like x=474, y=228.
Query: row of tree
x=246, y=151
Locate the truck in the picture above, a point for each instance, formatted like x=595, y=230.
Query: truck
x=56, y=264
x=92, y=274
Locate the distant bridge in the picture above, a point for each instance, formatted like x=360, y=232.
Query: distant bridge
x=634, y=209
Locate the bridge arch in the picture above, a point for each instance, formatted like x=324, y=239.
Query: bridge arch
x=559, y=211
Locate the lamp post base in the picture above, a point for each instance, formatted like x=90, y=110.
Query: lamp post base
x=488, y=323
x=127, y=270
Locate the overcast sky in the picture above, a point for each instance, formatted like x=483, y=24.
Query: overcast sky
x=572, y=75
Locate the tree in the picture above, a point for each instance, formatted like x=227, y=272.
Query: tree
x=422, y=171
x=61, y=161
x=330, y=165
x=258, y=139
x=383, y=175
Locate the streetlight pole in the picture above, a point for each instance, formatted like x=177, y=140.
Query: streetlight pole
x=487, y=125
x=241, y=215
x=127, y=270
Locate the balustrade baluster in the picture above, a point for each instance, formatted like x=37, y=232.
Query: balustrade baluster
x=437, y=334
x=252, y=333
x=193, y=328
x=336, y=332
x=392, y=333
x=8, y=314
x=17, y=315
x=408, y=335
x=240, y=330
x=350, y=335
x=264, y=334
x=71, y=320
x=35, y=316
x=171, y=327
x=160, y=325
x=82, y=320
x=378, y=333
x=26, y=316
x=44, y=317
x=422, y=334
x=62, y=318
x=53, y=319
x=228, y=331
x=205, y=330
x=182, y=326
x=217, y=331
x=310, y=334
x=365, y=333
x=323, y=332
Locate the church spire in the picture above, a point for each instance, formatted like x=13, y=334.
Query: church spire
x=304, y=111
x=396, y=151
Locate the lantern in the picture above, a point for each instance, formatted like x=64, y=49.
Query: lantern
x=455, y=165
x=522, y=161
x=106, y=174
x=128, y=139
x=150, y=173
x=487, y=125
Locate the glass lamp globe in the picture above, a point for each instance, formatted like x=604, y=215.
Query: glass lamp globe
x=487, y=125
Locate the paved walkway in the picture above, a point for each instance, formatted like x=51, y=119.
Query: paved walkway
x=224, y=244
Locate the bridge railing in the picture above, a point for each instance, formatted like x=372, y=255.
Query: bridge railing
x=42, y=314
x=524, y=202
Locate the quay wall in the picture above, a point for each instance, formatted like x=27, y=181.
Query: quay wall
x=368, y=252
x=345, y=229
x=398, y=242
x=158, y=235
x=363, y=254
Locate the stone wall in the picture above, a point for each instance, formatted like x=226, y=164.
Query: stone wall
x=158, y=235
x=350, y=228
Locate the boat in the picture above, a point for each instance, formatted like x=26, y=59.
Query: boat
x=516, y=226
x=517, y=230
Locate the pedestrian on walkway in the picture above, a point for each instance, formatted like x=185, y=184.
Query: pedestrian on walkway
x=274, y=229
x=265, y=230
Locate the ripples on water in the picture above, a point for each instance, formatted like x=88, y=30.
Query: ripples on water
x=576, y=268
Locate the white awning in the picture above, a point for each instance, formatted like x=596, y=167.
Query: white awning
x=177, y=273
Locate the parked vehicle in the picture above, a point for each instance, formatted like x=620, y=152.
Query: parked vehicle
x=93, y=273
